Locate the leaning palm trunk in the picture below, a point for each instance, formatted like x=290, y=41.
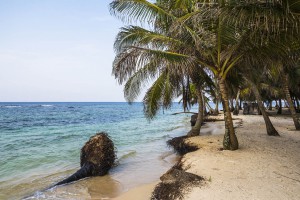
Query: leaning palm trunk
x=196, y=129
x=290, y=102
x=237, y=109
x=230, y=141
x=269, y=126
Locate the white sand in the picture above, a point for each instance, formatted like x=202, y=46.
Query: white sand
x=263, y=168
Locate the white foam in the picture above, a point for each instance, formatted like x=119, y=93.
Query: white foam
x=12, y=106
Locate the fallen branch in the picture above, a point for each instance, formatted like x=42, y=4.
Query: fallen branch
x=183, y=113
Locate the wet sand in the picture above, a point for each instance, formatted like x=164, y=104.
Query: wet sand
x=121, y=179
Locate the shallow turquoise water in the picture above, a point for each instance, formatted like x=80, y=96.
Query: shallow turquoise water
x=40, y=143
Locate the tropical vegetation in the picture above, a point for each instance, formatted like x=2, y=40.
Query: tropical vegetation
x=195, y=49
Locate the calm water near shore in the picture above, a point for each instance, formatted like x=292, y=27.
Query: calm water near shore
x=40, y=145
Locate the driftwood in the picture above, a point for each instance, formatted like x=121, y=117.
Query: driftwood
x=183, y=113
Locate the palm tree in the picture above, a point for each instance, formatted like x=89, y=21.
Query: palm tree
x=216, y=31
x=136, y=38
x=213, y=58
x=200, y=80
x=269, y=126
x=136, y=64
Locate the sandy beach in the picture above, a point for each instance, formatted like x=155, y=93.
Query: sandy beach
x=264, y=167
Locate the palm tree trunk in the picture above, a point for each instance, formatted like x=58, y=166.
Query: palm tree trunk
x=230, y=141
x=217, y=107
x=294, y=102
x=237, y=109
x=290, y=102
x=279, y=107
x=298, y=105
x=269, y=126
x=240, y=107
x=196, y=129
x=270, y=105
x=231, y=105
x=83, y=172
x=259, y=112
x=217, y=98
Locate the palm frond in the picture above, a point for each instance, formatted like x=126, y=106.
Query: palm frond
x=138, y=10
x=138, y=36
x=153, y=97
x=138, y=80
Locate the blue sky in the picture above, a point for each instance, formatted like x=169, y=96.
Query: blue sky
x=57, y=50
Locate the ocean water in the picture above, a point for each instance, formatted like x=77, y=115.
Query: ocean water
x=40, y=145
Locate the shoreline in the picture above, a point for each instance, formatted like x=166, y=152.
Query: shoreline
x=264, y=167
x=145, y=191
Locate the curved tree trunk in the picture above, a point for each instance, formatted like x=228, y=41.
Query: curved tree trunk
x=83, y=172
x=196, y=129
x=269, y=126
x=230, y=141
x=290, y=102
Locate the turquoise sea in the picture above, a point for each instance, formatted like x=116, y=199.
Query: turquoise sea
x=40, y=144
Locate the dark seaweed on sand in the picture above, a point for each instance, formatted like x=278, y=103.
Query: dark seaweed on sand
x=180, y=146
x=175, y=184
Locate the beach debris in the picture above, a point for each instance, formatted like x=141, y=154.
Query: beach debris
x=175, y=184
x=96, y=159
x=180, y=146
